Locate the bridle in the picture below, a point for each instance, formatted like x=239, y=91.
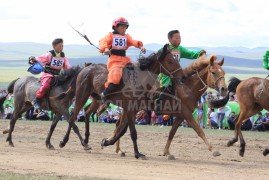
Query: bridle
x=167, y=71
x=209, y=80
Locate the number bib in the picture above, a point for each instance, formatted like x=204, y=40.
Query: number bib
x=56, y=63
x=119, y=42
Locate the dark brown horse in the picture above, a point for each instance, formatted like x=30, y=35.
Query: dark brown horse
x=206, y=73
x=24, y=90
x=134, y=93
x=253, y=96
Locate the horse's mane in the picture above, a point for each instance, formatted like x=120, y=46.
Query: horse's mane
x=68, y=74
x=145, y=62
x=198, y=65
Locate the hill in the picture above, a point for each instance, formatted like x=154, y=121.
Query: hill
x=239, y=60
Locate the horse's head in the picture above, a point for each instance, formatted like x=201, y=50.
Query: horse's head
x=215, y=75
x=162, y=62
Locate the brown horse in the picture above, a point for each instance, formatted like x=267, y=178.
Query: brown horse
x=208, y=73
x=24, y=90
x=253, y=96
x=133, y=94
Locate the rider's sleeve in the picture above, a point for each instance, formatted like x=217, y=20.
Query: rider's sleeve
x=265, y=60
x=189, y=54
x=135, y=43
x=105, y=42
x=44, y=59
x=66, y=64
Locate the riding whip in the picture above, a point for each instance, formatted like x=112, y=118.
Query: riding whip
x=84, y=36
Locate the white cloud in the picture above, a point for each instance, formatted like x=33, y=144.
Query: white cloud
x=202, y=23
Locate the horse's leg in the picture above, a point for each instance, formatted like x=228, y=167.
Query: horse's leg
x=88, y=111
x=242, y=115
x=17, y=112
x=118, y=150
x=52, y=127
x=82, y=95
x=134, y=136
x=172, y=133
x=189, y=118
x=120, y=130
x=235, y=139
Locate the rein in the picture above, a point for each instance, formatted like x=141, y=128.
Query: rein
x=205, y=85
x=168, y=72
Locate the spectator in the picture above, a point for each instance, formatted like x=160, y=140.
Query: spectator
x=200, y=114
x=212, y=119
x=247, y=125
x=257, y=125
x=8, y=112
x=81, y=116
x=43, y=115
x=166, y=119
x=266, y=121
x=153, y=118
x=232, y=98
x=142, y=118
x=221, y=115
x=231, y=121
x=29, y=113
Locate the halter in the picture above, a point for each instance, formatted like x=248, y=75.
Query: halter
x=205, y=85
x=168, y=72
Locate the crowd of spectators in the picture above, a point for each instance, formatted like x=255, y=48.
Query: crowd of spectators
x=214, y=119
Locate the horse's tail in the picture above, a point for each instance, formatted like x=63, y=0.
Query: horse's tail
x=234, y=82
x=2, y=100
x=11, y=86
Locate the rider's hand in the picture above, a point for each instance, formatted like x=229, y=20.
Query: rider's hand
x=107, y=51
x=143, y=50
x=32, y=60
x=203, y=52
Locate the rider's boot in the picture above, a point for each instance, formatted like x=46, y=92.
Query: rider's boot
x=111, y=87
x=37, y=103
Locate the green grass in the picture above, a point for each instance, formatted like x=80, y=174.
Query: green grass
x=17, y=176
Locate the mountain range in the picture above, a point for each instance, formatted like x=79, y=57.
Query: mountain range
x=239, y=60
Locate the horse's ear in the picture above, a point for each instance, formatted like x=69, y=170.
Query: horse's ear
x=212, y=60
x=221, y=62
x=166, y=47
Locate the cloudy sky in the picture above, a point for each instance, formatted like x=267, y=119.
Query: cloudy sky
x=201, y=23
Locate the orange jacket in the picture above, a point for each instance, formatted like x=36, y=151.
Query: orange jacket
x=106, y=42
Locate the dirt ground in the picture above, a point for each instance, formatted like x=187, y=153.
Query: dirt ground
x=193, y=160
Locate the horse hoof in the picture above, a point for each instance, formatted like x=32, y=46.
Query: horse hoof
x=140, y=156
x=265, y=152
x=241, y=153
x=86, y=148
x=122, y=154
x=103, y=143
x=229, y=143
x=11, y=144
x=50, y=147
x=61, y=145
x=171, y=157
x=5, y=131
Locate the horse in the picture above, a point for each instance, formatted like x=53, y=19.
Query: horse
x=24, y=90
x=252, y=95
x=215, y=80
x=133, y=92
x=203, y=73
